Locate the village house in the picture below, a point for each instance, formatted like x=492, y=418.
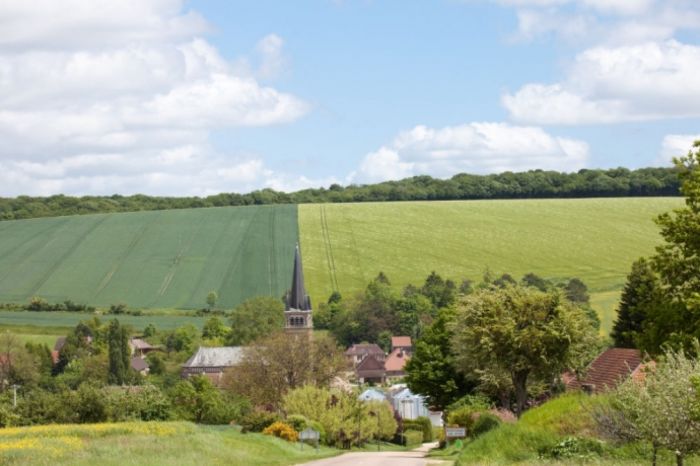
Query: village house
x=359, y=351
x=401, y=350
x=612, y=367
x=212, y=362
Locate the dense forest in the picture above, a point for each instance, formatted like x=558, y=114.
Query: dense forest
x=617, y=182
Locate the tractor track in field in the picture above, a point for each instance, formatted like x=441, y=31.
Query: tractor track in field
x=328, y=248
x=176, y=262
x=235, y=258
x=122, y=258
x=66, y=255
x=28, y=240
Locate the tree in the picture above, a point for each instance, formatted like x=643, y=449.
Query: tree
x=661, y=408
x=431, y=370
x=280, y=362
x=677, y=261
x=17, y=365
x=214, y=328
x=212, y=298
x=638, y=296
x=255, y=318
x=441, y=293
x=576, y=291
x=518, y=331
x=534, y=281
x=197, y=399
x=119, y=353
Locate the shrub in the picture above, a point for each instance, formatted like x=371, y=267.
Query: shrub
x=282, y=430
x=257, y=421
x=463, y=417
x=413, y=437
x=421, y=424
x=297, y=421
x=485, y=423
x=572, y=447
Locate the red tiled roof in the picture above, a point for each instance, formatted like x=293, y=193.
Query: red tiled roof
x=401, y=341
x=396, y=360
x=609, y=369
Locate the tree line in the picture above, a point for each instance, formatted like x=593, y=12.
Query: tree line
x=616, y=182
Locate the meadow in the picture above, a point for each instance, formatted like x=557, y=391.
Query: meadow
x=147, y=443
x=161, y=259
x=346, y=245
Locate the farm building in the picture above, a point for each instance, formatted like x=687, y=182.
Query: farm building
x=612, y=367
x=140, y=347
x=212, y=362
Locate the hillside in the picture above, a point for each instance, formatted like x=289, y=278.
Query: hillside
x=345, y=245
x=156, y=259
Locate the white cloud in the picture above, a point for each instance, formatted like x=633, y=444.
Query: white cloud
x=102, y=96
x=676, y=145
x=473, y=148
x=616, y=84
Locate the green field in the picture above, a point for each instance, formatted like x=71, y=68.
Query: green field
x=346, y=245
x=148, y=444
x=162, y=259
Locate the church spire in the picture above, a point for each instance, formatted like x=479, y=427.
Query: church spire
x=298, y=299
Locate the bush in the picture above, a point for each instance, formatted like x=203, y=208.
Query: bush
x=421, y=424
x=413, y=438
x=282, y=430
x=463, y=417
x=257, y=421
x=572, y=447
x=485, y=423
x=297, y=421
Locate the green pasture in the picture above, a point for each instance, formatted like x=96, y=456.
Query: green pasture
x=37, y=323
x=162, y=259
x=346, y=245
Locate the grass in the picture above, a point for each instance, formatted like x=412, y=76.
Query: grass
x=162, y=259
x=346, y=245
x=153, y=443
x=546, y=426
x=57, y=323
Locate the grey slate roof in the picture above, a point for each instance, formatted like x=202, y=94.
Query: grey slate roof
x=139, y=364
x=223, y=356
x=297, y=298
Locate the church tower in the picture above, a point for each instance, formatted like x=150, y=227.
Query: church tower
x=297, y=313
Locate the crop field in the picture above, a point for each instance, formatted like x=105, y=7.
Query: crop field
x=24, y=321
x=346, y=245
x=148, y=444
x=163, y=259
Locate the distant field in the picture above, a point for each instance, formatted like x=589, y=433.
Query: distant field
x=24, y=321
x=346, y=245
x=162, y=259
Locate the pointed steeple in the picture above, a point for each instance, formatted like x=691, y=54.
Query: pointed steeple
x=298, y=299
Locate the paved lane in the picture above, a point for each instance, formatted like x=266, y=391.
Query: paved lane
x=384, y=458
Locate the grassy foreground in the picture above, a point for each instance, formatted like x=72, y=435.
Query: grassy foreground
x=161, y=259
x=152, y=443
x=346, y=245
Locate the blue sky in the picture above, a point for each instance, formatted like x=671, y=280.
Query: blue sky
x=192, y=98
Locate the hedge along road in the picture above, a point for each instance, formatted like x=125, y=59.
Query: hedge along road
x=400, y=458
x=160, y=259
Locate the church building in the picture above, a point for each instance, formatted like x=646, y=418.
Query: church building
x=297, y=313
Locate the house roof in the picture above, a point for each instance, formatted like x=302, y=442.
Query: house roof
x=609, y=369
x=370, y=365
x=140, y=344
x=372, y=394
x=60, y=342
x=364, y=348
x=222, y=356
x=401, y=341
x=396, y=360
x=138, y=364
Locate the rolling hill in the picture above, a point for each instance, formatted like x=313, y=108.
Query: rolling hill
x=346, y=245
x=161, y=259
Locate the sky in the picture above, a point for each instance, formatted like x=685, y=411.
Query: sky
x=181, y=98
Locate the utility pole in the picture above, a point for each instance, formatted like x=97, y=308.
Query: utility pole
x=14, y=395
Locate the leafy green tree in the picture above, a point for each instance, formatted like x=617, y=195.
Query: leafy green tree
x=576, y=291
x=255, y=318
x=440, y=292
x=182, y=339
x=212, y=298
x=119, y=353
x=638, y=297
x=431, y=371
x=198, y=400
x=214, y=328
x=522, y=332
x=535, y=281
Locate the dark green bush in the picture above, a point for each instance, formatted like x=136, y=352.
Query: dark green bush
x=257, y=421
x=485, y=423
x=297, y=421
x=421, y=424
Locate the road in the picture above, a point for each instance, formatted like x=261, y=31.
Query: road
x=384, y=458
